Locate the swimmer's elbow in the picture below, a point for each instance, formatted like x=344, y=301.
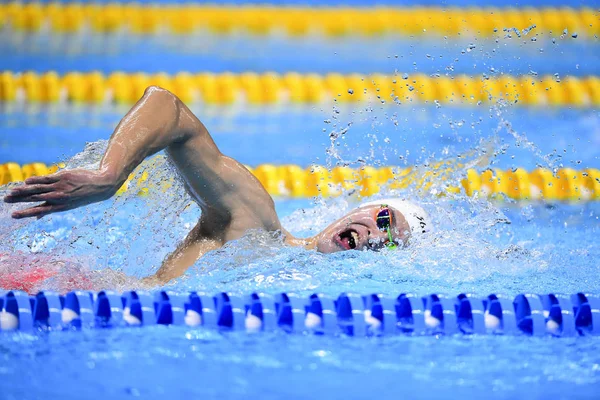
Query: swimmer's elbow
x=167, y=107
x=161, y=96
x=172, y=115
x=154, y=90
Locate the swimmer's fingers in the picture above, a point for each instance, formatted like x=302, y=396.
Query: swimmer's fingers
x=40, y=211
x=26, y=193
x=33, y=186
x=43, y=180
x=52, y=197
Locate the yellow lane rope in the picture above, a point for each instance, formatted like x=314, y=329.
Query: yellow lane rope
x=260, y=20
x=294, y=181
x=272, y=88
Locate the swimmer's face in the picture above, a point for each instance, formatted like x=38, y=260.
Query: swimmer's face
x=358, y=230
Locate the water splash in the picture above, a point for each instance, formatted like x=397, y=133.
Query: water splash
x=129, y=234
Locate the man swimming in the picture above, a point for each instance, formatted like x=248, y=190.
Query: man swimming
x=232, y=200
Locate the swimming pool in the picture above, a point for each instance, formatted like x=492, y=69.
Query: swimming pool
x=543, y=250
x=548, y=247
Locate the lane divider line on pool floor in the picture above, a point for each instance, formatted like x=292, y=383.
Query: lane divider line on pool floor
x=295, y=88
x=300, y=21
x=349, y=314
x=294, y=181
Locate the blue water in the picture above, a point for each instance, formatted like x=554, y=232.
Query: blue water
x=158, y=363
x=469, y=53
x=544, y=249
x=376, y=134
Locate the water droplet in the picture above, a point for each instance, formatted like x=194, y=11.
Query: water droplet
x=574, y=35
x=405, y=76
x=350, y=91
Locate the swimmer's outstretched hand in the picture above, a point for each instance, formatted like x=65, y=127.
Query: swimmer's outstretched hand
x=62, y=191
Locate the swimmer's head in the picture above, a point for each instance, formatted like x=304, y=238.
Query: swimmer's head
x=373, y=226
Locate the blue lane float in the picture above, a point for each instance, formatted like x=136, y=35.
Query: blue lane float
x=349, y=314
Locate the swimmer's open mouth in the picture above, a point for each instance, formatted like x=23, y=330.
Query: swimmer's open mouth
x=348, y=239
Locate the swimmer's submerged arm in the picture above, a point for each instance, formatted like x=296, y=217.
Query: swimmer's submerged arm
x=158, y=121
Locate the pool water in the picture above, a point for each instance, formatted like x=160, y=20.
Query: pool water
x=545, y=248
x=169, y=362
x=477, y=246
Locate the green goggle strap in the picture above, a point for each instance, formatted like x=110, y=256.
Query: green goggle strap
x=390, y=245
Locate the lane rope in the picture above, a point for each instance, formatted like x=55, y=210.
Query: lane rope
x=272, y=88
x=301, y=21
x=348, y=314
x=540, y=184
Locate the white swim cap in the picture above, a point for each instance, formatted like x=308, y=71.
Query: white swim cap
x=415, y=215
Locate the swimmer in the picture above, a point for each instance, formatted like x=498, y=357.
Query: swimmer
x=231, y=199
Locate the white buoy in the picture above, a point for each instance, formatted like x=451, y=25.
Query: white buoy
x=130, y=319
x=312, y=321
x=534, y=192
x=373, y=322
x=430, y=320
x=486, y=191
x=552, y=326
x=8, y=321
x=192, y=318
x=585, y=193
x=68, y=315
x=252, y=322
x=491, y=321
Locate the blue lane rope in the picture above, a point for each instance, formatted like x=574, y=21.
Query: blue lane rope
x=348, y=314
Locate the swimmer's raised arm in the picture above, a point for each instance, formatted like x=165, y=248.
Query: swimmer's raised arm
x=158, y=121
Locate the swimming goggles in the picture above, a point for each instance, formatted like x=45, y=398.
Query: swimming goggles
x=384, y=223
